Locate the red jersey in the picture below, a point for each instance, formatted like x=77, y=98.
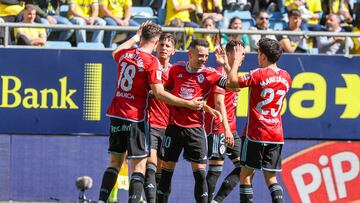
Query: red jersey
x=213, y=125
x=188, y=84
x=159, y=111
x=267, y=89
x=136, y=71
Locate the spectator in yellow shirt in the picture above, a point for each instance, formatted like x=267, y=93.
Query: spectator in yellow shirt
x=30, y=36
x=311, y=12
x=116, y=12
x=211, y=8
x=356, y=40
x=212, y=39
x=9, y=11
x=180, y=9
x=85, y=12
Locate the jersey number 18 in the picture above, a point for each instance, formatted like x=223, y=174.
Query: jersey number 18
x=127, y=75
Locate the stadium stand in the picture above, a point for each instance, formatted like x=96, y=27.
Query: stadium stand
x=246, y=18
x=143, y=13
x=58, y=44
x=64, y=10
x=91, y=45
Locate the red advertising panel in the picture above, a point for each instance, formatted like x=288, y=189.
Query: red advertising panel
x=328, y=172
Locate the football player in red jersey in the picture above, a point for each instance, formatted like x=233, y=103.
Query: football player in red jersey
x=263, y=136
x=138, y=72
x=188, y=80
x=223, y=139
x=159, y=117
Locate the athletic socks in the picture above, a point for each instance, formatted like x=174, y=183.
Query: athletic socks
x=164, y=188
x=108, y=182
x=212, y=177
x=201, y=189
x=150, y=183
x=228, y=185
x=136, y=187
x=157, y=177
x=246, y=194
x=276, y=193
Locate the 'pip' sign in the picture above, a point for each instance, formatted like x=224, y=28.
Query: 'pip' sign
x=328, y=172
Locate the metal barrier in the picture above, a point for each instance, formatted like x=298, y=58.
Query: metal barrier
x=179, y=29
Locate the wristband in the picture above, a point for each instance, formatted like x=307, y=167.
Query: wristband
x=136, y=38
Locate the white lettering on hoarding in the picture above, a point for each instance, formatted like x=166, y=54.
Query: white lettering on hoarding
x=320, y=175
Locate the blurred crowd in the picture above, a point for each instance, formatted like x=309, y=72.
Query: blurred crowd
x=266, y=15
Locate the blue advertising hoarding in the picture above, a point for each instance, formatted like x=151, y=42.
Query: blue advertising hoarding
x=68, y=91
x=44, y=168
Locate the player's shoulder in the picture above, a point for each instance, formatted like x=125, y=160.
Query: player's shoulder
x=179, y=65
x=210, y=70
x=256, y=71
x=284, y=72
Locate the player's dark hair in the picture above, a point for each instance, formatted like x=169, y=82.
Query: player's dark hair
x=168, y=36
x=151, y=31
x=198, y=42
x=271, y=48
x=233, y=43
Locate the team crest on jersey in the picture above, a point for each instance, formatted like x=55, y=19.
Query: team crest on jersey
x=200, y=78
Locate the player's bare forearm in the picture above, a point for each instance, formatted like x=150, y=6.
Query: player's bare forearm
x=220, y=106
x=126, y=45
x=132, y=41
x=212, y=112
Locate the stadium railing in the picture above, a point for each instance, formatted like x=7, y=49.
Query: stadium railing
x=7, y=27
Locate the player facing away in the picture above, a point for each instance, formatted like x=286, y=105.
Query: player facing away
x=159, y=117
x=188, y=80
x=223, y=139
x=138, y=72
x=263, y=134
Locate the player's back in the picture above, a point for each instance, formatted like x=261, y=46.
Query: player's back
x=136, y=71
x=268, y=87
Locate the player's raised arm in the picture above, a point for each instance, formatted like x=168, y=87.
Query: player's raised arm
x=232, y=79
x=132, y=41
x=159, y=92
x=222, y=59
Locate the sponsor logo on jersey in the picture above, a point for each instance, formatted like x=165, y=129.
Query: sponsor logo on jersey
x=186, y=92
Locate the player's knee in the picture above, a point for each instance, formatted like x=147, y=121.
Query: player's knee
x=216, y=162
x=116, y=161
x=270, y=178
x=168, y=165
x=198, y=166
x=139, y=165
